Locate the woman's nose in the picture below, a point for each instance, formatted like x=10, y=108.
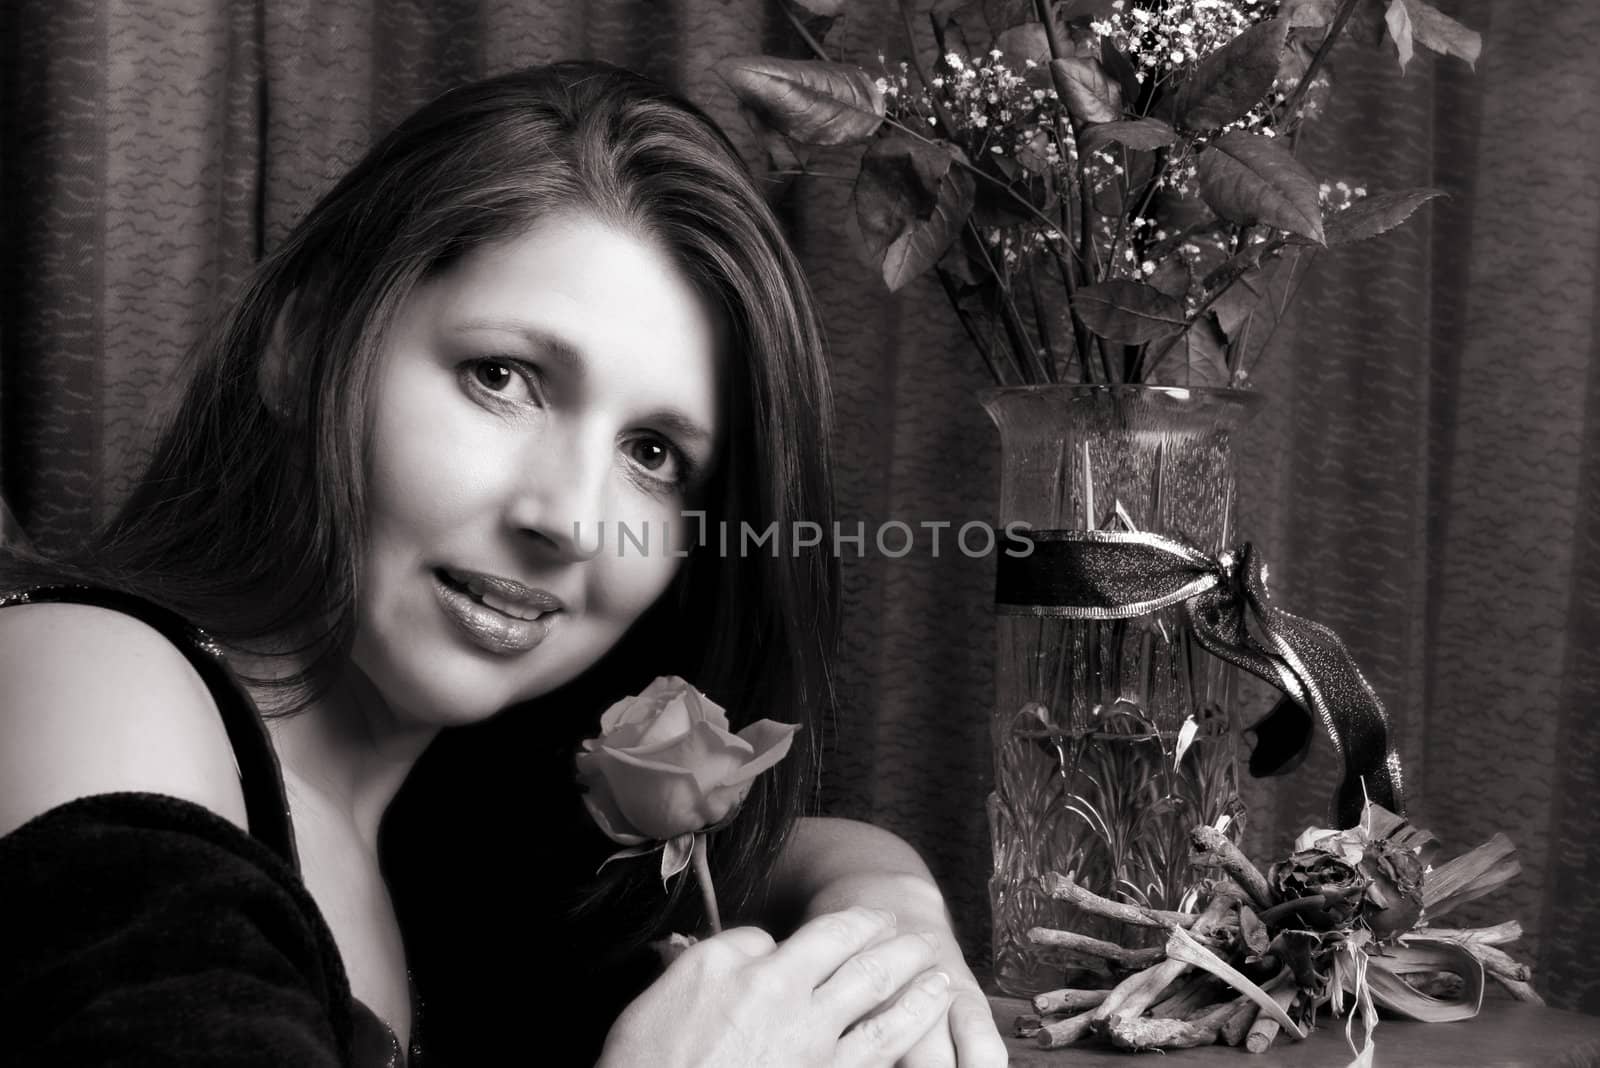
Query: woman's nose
x=560, y=491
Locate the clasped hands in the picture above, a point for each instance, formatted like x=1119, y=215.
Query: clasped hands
x=849, y=989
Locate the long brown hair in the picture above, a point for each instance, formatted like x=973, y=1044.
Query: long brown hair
x=249, y=521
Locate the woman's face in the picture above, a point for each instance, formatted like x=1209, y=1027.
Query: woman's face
x=541, y=391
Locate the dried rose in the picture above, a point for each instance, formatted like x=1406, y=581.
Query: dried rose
x=665, y=763
x=1393, y=900
x=1315, y=871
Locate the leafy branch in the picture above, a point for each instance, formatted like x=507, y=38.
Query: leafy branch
x=1112, y=206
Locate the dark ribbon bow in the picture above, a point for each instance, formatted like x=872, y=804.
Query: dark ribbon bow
x=1106, y=574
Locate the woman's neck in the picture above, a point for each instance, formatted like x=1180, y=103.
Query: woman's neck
x=345, y=756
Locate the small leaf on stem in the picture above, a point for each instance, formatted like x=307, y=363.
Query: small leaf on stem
x=1129, y=312
x=1375, y=214
x=1135, y=133
x=1308, y=12
x=1231, y=80
x=813, y=102
x=1251, y=178
x=1090, y=94
x=1196, y=357
x=676, y=854
x=1433, y=29
x=1398, y=21
x=911, y=199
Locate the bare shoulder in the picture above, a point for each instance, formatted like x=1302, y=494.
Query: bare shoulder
x=93, y=701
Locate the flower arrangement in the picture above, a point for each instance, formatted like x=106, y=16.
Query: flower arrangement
x=1106, y=190
x=1347, y=919
x=665, y=773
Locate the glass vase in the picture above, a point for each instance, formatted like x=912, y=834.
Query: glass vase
x=1090, y=777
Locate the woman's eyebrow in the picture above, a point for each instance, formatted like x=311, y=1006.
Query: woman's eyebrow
x=682, y=426
x=556, y=347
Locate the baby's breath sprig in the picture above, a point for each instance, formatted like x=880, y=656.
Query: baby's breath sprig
x=1107, y=191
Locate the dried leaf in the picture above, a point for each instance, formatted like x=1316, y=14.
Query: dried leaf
x=1251, y=178
x=911, y=199
x=1130, y=312
x=1090, y=94
x=1434, y=30
x=1181, y=946
x=1142, y=134
x=1230, y=81
x=1253, y=931
x=828, y=8
x=1385, y=978
x=1468, y=876
x=815, y=103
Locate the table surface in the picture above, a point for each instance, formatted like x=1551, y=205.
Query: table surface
x=1506, y=1034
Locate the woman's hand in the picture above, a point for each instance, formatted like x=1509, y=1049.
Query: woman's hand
x=969, y=1037
x=845, y=991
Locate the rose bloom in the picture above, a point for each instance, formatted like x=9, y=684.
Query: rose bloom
x=665, y=763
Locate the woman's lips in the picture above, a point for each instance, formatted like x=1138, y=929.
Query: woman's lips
x=493, y=620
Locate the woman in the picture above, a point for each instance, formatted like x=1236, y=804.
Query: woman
x=548, y=305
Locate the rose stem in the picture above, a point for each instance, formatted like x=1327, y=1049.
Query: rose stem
x=1212, y=848
x=702, y=875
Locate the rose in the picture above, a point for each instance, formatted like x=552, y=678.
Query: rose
x=666, y=770
x=1317, y=872
x=665, y=763
x=1393, y=901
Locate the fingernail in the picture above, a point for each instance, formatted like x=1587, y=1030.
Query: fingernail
x=936, y=983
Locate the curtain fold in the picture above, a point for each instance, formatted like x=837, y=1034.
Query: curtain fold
x=1421, y=479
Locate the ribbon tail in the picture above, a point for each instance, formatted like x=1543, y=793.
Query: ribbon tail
x=1314, y=670
x=1349, y=708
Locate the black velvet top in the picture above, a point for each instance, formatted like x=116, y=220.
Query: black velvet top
x=142, y=929
x=138, y=928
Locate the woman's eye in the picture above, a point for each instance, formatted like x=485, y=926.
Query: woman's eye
x=506, y=379
x=495, y=375
x=661, y=460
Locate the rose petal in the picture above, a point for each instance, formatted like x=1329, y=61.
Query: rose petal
x=610, y=821
x=705, y=710
x=671, y=721
x=705, y=749
x=771, y=741
x=656, y=799
x=625, y=736
x=717, y=804
x=642, y=707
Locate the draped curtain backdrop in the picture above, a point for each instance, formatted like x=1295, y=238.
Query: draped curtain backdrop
x=1423, y=480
